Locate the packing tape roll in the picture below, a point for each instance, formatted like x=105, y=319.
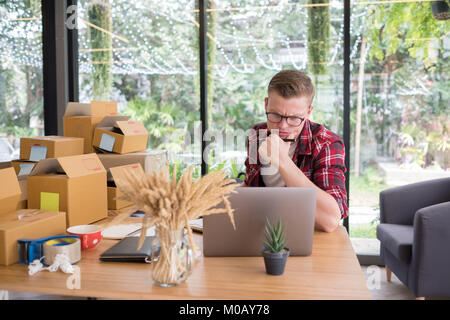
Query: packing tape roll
x=69, y=246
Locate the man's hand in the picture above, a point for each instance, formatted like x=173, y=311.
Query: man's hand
x=274, y=150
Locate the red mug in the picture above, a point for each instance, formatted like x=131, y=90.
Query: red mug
x=90, y=235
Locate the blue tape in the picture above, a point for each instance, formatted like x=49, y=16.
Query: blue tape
x=31, y=249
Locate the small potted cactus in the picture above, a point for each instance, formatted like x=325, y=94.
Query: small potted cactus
x=274, y=252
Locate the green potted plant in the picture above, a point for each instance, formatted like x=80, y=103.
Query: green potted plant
x=274, y=252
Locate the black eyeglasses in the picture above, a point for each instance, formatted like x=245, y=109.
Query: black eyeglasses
x=291, y=120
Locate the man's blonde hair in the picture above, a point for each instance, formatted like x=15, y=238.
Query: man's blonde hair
x=292, y=83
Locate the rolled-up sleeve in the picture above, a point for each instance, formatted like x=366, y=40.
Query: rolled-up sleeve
x=329, y=173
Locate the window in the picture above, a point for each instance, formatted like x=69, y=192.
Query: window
x=399, y=106
x=144, y=55
x=21, y=88
x=248, y=44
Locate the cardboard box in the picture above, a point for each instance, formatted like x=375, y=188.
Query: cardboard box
x=149, y=160
x=118, y=135
x=114, y=190
x=113, y=203
x=75, y=184
x=6, y=164
x=10, y=192
x=22, y=173
x=29, y=224
x=23, y=200
x=38, y=148
x=17, y=224
x=80, y=119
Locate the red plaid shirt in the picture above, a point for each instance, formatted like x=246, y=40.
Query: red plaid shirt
x=319, y=153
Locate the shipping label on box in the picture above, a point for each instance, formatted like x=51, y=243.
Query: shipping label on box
x=23, y=167
x=38, y=152
x=107, y=142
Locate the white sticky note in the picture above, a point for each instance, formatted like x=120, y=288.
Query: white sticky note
x=107, y=142
x=196, y=223
x=38, y=153
x=150, y=232
x=121, y=231
x=25, y=169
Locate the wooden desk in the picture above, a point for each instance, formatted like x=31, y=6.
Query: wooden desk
x=331, y=272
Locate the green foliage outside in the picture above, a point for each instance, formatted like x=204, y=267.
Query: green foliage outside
x=394, y=26
x=99, y=13
x=366, y=188
x=397, y=35
x=405, y=102
x=21, y=84
x=318, y=37
x=229, y=167
x=365, y=192
x=162, y=120
x=368, y=231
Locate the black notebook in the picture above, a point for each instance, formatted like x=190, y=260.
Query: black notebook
x=126, y=251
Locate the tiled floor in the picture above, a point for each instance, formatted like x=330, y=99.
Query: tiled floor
x=381, y=290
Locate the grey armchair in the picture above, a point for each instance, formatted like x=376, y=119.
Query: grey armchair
x=414, y=232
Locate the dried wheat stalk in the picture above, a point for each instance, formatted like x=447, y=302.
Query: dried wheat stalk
x=171, y=205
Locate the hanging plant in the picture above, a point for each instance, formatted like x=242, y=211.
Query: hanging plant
x=99, y=13
x=318, y=36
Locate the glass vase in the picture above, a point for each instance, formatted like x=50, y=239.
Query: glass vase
x=172, y=257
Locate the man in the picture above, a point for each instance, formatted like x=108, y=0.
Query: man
x=296, y=151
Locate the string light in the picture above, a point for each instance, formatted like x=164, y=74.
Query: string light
x=21, y=29
x=150, y=56
x=238, y=46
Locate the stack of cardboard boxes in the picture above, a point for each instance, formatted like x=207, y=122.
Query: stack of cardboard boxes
x=70, y=176
x=117, y=141
x=22, y=223
x=80, y=119
x=32, y=150
x=150, y=160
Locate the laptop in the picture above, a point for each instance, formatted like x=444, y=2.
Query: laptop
x=252, y=205
x=126, y=250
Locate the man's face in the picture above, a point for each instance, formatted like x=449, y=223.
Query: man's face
x=295, y=106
